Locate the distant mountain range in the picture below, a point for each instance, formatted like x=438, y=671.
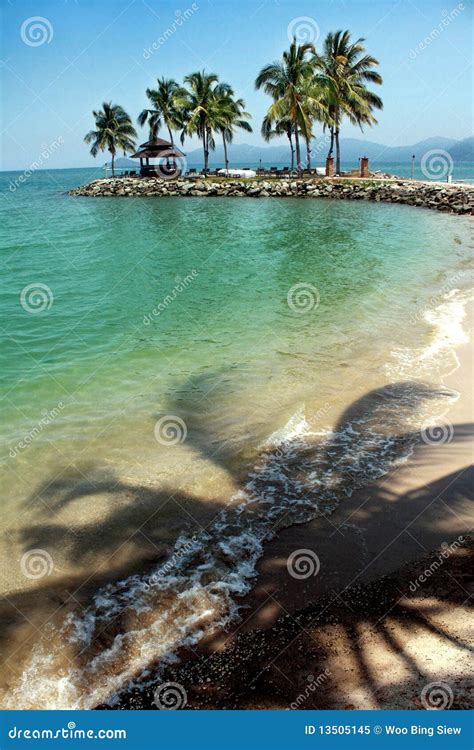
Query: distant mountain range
x=351, y=150
x=463, y=150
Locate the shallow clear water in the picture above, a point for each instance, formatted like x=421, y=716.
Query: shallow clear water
x=183, y=356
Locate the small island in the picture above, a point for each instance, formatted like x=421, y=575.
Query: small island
x=457, y=199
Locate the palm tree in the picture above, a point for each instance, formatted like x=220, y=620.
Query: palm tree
x=281, y=127
x=197, y=102
x=314, y=102
x=114, y=131
x=227, y=114
x=343, y=70
x=288, y=82
x=165, y=100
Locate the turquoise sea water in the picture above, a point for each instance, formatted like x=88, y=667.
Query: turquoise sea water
x=166, y=360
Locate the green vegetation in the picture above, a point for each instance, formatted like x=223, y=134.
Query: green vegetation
x=114, y=131
x=165, y=101
x=342, y=72
x=306, y=88
x=209, y=107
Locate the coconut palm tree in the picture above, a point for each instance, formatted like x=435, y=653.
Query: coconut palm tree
x=281, y=127
x=227, y=114
x=197, y=103
x=114, y=131
x=343, y=69
x=315, y=104
x=288, y=81
x=165, y=101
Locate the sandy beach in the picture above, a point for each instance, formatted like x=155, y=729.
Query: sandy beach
x=388, y=611
x=236, y=374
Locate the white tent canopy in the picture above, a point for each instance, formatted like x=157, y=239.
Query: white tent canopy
x=237, y=172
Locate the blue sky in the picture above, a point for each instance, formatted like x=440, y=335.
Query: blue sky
x=94, y=51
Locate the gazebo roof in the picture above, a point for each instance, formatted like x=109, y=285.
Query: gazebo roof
x=156, y=143
x=152, y=152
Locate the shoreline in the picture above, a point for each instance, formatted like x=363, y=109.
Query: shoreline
x=386, y=645
x=383, y=509
x=448, y=197
x=371, y=628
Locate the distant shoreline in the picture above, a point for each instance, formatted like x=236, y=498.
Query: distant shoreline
x=451, y=198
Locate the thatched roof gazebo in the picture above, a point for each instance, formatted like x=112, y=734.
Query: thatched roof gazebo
x=167, y=154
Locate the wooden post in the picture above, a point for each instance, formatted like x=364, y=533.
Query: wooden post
x=330, y=166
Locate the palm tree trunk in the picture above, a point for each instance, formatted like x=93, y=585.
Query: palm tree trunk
x=308, y=154
x=172, y=146
x=297, y=146
x=331, y=146
x=113, y=163
x=338, y=151
x=290, y=138
x=206, y=149
x=225, y=154
x=205, y=152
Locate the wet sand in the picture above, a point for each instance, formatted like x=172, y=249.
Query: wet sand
x=363, y=639
x=411, y=511
x=386, y=644
x=386, y=614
